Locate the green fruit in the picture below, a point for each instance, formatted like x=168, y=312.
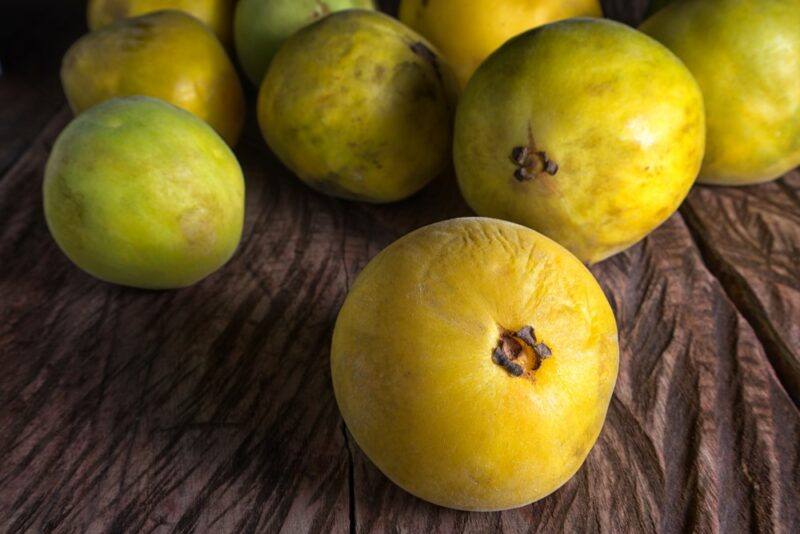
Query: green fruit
x=261, y=26
x=141, y=193
x=585, y=130
x=359, y=107
x=745, y=54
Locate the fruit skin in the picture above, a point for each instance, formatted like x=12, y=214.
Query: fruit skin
x=216, y=14
x=617, y=118
x=168, y=55
x=140, y=193
x=467, y=32
x=744, y=54
x=359, y=107
x=414, y=378
x=261, y=27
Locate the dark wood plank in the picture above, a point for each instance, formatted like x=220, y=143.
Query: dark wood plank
x=210, y=409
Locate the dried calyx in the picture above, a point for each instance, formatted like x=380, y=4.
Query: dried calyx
x=520, y=353
x=530, y=163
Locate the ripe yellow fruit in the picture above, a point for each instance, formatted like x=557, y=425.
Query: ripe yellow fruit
x=467, y=32
x=745, y=54
x=359, y=107
x=167, y=55
x=216, y=14
x=585, y=130
x=473, y=362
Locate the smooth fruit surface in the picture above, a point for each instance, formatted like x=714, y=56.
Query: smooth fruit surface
x=585, y=130
x=473, y=362
x=745, y=54
x=467, y=32
x=261, y=27
x=359, y=107
x=216, y=14
x=168, y=55
x=141, y=193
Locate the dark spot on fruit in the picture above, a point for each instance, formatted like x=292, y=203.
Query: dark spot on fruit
x=428, y=55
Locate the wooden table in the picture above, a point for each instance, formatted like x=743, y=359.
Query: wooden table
x=211, y=408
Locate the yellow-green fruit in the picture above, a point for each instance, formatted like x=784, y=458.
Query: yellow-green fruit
x=141, y=193
x=745, y=54
x=467, y=32
x=585, y=130
x=168, y=55
x=216, y=14
x=473, y=362
x=261, y=27
x=359, y=107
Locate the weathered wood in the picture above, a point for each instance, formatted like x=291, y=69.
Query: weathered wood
x=210, y=409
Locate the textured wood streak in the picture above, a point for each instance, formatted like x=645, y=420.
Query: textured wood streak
x=749, y=237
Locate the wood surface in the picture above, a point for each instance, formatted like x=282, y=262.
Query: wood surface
x=210, y=409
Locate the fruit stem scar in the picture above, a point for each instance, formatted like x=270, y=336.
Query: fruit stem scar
x=531, y=163
x=521, y=346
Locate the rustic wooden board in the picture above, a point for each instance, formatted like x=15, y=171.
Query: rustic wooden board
x=210, y=409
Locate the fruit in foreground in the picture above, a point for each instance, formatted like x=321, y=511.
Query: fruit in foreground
x=473, y=362
x=168, y=55
x=141, y=193
x=216, y=14
x=359, y=107
x=261, y=27
x=467, y=32
x=585, y=130
x=744, y=54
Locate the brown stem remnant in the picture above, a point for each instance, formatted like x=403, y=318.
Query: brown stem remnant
x=531, y=163
x=522, y=346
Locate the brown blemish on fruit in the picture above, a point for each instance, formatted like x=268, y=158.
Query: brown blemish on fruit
x=428, y=55
x=530, y=161
x=520, y=353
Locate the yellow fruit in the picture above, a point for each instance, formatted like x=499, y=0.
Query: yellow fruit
x=467, y=32
x=216, y=14
x=745, y=54
x=140, y=193
x=424, y=370
x=167, y=55
x=359, y=107
x=585, y=130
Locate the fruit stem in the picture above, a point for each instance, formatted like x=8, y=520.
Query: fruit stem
x=521, y=346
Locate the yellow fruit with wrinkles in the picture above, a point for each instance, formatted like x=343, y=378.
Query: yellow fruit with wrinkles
x=216, y=14
x=473, y=362
x=467, y=32
x=167, y=55
x=745, y=54
x=585, y=130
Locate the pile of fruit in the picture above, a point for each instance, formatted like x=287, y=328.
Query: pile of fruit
x=474, y=359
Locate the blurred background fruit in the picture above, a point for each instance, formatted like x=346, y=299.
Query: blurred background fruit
x=261, y=26
x=216, y=14
x=168, y=55
x=359, y=107
x=585, y=130
x=141, y=193
x=745, y=54
x=467, y=32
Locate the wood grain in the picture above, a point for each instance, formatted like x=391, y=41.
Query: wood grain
x=210, y=409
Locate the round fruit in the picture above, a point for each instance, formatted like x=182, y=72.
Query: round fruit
x=141, y=193
x=745, y=54
x=216, y=14
x=261, y=26
x=473, y=361
x=359, y=107
x=168, y=55
x=585, y=130
x=467, y=32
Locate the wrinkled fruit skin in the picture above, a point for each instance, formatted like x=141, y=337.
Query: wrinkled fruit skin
x=261, y=27
x=467, y=32
x=585, y=130
x=167, y=55
x=216, y=14
x=140, y=193
x=415, y=380
x=359, y=107
x=744, y=54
